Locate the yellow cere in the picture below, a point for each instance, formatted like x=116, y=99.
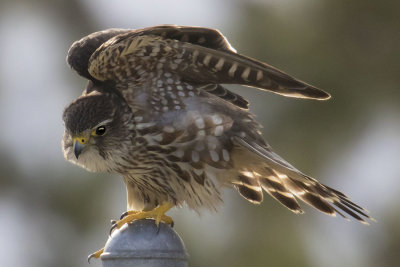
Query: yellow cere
x=82, y=140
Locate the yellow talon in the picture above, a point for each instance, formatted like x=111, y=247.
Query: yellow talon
x=95, y=255
x=158, y=214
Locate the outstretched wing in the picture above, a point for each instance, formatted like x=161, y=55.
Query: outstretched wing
x=81, y=50
x=196, y=55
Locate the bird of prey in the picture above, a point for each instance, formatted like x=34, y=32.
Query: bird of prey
x=155, y=111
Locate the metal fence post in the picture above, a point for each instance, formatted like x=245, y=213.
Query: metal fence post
x=142, y=244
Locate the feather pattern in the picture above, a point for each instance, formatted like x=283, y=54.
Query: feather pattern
x=178, y=134
x=194, y=63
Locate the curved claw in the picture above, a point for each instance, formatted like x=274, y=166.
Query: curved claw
x=95, y=255
x=113, y=222
x=170, y=223
x=115, y=225
x=90, y=257
x=123, y=215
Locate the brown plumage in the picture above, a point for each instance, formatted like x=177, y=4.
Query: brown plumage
x=174, y=133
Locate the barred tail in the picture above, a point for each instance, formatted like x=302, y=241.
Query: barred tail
x=287, y=190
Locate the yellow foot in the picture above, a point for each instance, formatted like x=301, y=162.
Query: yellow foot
x=95, y=255
x=158, y=214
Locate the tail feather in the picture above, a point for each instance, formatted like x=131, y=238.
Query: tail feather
x=307, y=194
x=249, y=188
x=281, y=194
x=340, y=200
x=351, y=212
x=341, y=214
x=277, y=175
x=317, y=202
x=354, y=207
x=320, y=192
x=286, y=190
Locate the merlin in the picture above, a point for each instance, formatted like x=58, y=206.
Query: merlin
x=155, y=111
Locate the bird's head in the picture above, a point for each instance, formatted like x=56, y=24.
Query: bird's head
x=95, y=129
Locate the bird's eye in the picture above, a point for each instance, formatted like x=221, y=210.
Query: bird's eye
x=101, y=130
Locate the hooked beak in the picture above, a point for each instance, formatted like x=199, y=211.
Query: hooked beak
x=79, y=145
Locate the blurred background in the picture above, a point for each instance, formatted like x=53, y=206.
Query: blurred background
x=55, y=214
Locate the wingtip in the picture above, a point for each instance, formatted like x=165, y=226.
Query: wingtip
x=326, y=96
x=318, y=94
x=309, y=93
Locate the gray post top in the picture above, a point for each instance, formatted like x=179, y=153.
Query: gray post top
x=142, y=244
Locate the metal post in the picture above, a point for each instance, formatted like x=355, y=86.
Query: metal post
x=142, y=244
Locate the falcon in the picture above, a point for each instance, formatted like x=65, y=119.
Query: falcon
x=155, y=111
